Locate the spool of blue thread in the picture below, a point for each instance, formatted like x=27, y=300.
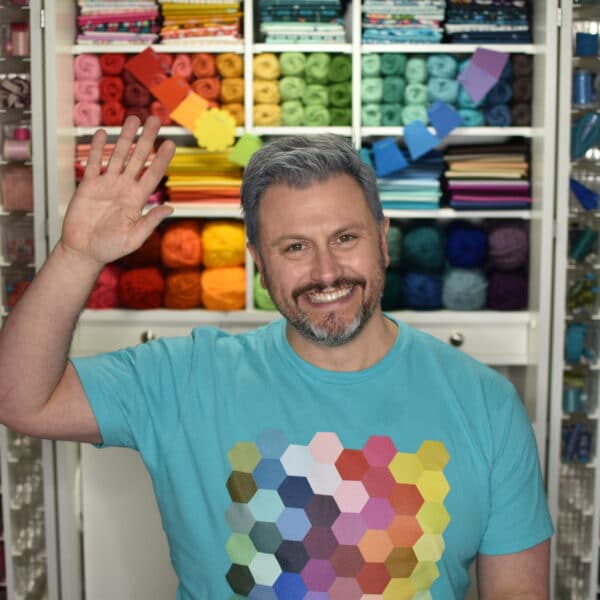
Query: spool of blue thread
x=586, y=44
x=422, y=291
x=582, y=87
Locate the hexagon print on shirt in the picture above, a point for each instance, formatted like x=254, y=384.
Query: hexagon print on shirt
x=324, y=522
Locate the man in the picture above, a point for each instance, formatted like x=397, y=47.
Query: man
x=335, y=453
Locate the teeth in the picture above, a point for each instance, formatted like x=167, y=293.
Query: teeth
x=324, y=297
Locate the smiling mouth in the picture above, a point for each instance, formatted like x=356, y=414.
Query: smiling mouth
x=325, y=297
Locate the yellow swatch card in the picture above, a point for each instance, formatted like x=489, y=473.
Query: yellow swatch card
x=189, y=110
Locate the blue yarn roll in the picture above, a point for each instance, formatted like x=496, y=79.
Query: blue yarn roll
x=498, y=115
x=507, y=71
x=446, y=90
x=464, y=99
x=466, y=245
x=423, y=249
x=471, y=117
x=501, y=93
x=422, y=291
x=392, y=298
x=442, y=65
x=464, y=289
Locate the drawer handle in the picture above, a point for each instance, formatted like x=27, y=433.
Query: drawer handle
x=147, y=336
x=457, y=339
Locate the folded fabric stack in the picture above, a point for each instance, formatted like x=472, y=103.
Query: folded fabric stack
x=492, y=21
x=319, y=21
x=117, y=21
x=402, y=21
x=201, y=20
x=195, y=175
x=487, y=176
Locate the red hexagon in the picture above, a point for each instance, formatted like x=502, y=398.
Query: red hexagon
x=406, y=499
x=378, y=482
x=351, y=464
x=373, y=578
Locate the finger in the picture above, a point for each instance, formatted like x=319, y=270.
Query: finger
x=143, y=147
x=150, y=221
x=123, y=145
x=94, y=160
x=156, y=171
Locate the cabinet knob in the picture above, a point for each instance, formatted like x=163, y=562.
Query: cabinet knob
x=147, y=336
x=456, y=339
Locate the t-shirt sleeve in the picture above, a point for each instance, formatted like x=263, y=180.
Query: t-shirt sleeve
x=519, y=517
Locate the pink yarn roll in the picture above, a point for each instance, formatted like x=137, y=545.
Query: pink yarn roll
x=87, y=114
x=87, y=67
x=182, y=66
x=104, y=294
x=86, y=90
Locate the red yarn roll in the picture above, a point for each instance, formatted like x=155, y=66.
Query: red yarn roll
x=182, y=67
x=104, y=294
x=158, y=110
x=141, y=288
x=147, y=255
x=111, y=89
x=142, y=112
x=203, y=65
x=113, y=114
x=136, y=95
x=207, y=87
x=183, y=289
x=112, y=64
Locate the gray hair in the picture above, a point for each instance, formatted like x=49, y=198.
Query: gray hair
x=298, y=162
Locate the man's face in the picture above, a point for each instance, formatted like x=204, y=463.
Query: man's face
x=322, y=257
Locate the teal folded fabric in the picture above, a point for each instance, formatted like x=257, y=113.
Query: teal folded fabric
x=393, y=89
x=442, y=65
x=292, y=63
x=315, y=94
x=291, y=87
x=393, y=64
x=471, y=117
x=416, y=70
x=370, y=115
x=415, y=94
x=340, y=117
x=370, y=65
x=316, y=116
x=414, y=113
x=445, y=90
x=340, y=94
x=317, y=67
x=340, y=68
x=371, y=89
x=391, y=115
x=292, y=113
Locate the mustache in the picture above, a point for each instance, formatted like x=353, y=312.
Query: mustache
x=321, y=287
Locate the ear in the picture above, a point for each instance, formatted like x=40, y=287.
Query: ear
x=385, y=227
x=257, y=261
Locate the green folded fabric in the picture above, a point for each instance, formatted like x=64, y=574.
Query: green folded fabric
x=393, y=89
x=370, y=65
x=415, y=94
x=340, y=94
x=370, y=115
x=391, y=115
x=340, y=68
x=292, y=63
x=371, y=89
x=416, y=70
x=317, y=67
x=340, y=117
x=316, y=116
x=292, y=113
x=414, y=113
x=315, y=94
x=393, y=64
x=291, y=87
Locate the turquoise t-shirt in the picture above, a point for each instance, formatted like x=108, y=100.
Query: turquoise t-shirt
x=277, y=479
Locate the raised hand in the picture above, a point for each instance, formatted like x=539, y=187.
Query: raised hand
x=104, y=219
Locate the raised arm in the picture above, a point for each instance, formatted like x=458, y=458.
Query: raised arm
x=40, y=393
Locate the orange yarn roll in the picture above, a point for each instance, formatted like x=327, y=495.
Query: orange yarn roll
x=181, y=244
x=183, y=289
x=236, y=110
x=232, y=89
x=203, y=65
x=224, y=288
x=207, y=87
x=230, y=65
x=223, y=243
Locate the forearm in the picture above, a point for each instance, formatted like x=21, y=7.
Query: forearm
x=35, y=339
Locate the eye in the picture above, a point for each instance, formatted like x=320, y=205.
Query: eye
x=295, y=247
x=345, y=238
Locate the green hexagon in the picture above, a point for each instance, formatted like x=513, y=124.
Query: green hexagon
x=433, y=455
x=424, y=575
x=430, y=547
x=240, y=548
x=244, y=457
x=433, y=517
x=433, y=486
x=399, y=588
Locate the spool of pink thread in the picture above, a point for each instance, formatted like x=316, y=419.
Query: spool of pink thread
x=21, y=133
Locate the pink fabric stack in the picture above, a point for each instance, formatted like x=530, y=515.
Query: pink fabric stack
x=87, y=111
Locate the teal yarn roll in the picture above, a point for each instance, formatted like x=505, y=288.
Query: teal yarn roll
x=393, y=89
x=414, y=113
x=391, y=115
x=370, y=65
x=464, y=289
x=316, y=116
x=315, y=94
x=371, y=90
x=291, y=87
x=292, y=113
x=394, y=244
x=422, y=291
x=262, y=298
x=370, y=115
x=464, y=99
x=317, y=67
x=415, y=70
x=423, y=249
x=340, y=95
x=415, y=94
x=340, y=68
x=471, y=117
x=442, y=65
x=446, y=90
x=392, y=298
x=292, y=63
x=393, y=64
x=340, y=117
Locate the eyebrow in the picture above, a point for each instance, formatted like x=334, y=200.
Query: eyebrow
x=354, y=225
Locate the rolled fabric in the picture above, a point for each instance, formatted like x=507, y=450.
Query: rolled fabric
x=207, y=87
x=266, y=66
x=393, y=89
x=393, y=63
x=522, y=89
x=340, y=94
x=501, y=93
x=522, y=65
x=370, y=65
x=112, y=63
x=229, y=64
x=292, y=113
x=104, y=294
x=113, y=114
x=266, y=92
x=415, y=94
x=422, y=291
x=142, y=288
x=182, y=66
x=183, y=289
x=236, y=110
x=136, y=95
x=464, y=99
x=446, y=90
x=86, y=90
x=317, y=67
x=87, y=114
x=141, y=112
x=158, y=110
x=203, y=65
x=423, y=248
x=471, y=117
x=416, y=70
x=414, y=112
x=520, y=115
x=292, y=63
x=340, y=68
x=442, y=65
x=315, y=93
x=464, y=289
x=371, y=90
x=224, y=288
x=267, y=115
x=507, y=290
x=340, y=117
x=181, y=244
x=370, y=115
x=508, y=246
x=498, y=115
x=316, y=116
x=87, y=67
x=223, y=243
x=391, y=115
x=111, y=88
x=291, y=87
x=232, y=90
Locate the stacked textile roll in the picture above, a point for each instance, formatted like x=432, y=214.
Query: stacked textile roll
x=117, y=21
x=296, y=89
x=87, y=111
x=402, y=21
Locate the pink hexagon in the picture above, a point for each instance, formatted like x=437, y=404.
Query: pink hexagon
x=349, y=528
x=377, y=513
x=351, y=496
x=378, y=482
x=318, y=575
x=379, y=450
x=345, y=588
x=325, y=447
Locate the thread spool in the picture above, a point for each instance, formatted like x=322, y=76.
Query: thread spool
x=582, y=87
x=586, y=44
x=17, y=150
x=21, y=133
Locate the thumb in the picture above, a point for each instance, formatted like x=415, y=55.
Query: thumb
x=150, y=221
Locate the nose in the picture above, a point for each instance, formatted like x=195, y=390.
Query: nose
x=326, y=267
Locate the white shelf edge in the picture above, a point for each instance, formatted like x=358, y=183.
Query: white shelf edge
x=332, y=48
x=451, y=213
x=450, y=48
x=169, y=130
x=458, y=132
x=345, y=131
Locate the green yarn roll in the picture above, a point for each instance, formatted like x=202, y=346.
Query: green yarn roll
x=340, y=68
x=370, y=65
x=394, y=244
x=370, y=115
x=262, y=298
x=442, y=65
x=371, y=90
x=340, y=94
x=393, y=64
x=315, y=94
x=291, y=87
x=317, y=67
x=416, y=70
x=393, y=89
x=440, y=88
x=415, y=94
x=471, y=117
x=414, y=113
x=316, y=116
x=423, y=249
x=292, y=63
x=339, y=117
x=391, y=115
x=292, y=113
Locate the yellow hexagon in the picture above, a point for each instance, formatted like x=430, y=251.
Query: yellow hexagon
x=433, y=517
x=244, y=457
x=406, y=468
x=429, y=547
x=433, y=486
x=424, y=575
x=399, y=588
x=433, y=455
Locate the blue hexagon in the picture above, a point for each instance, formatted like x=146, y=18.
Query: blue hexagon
x=293, y=524
x=295, y=491
x=269, y=474
x=272, y=443
x=289, y=586
x=262, y=592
